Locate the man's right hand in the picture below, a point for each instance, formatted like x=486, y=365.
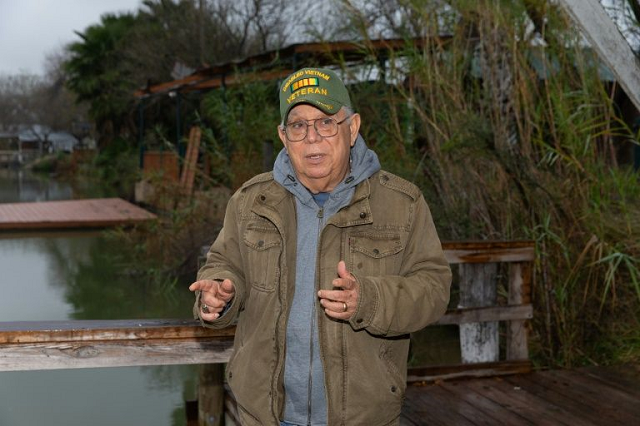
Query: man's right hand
x=214, y=295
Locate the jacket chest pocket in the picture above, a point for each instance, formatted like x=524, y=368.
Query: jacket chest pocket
x=375, y=253
x=264, y=247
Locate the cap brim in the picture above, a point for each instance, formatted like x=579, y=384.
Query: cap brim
x=329, y=107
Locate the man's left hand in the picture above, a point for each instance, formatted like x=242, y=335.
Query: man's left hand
x=342, y=303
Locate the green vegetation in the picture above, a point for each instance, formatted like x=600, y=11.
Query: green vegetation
x=500, y=114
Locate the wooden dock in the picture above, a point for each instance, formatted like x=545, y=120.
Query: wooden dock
x=502, y=392
x=90, y=213
x=585, y=396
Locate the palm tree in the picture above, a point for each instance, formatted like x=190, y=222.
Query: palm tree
x=95, y=74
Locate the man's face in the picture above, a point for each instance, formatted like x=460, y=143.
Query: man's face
x=321, y=163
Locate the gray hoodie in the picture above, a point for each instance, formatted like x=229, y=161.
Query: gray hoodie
x=305, y=398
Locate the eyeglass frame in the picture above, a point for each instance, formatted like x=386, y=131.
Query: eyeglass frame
x=315, y=120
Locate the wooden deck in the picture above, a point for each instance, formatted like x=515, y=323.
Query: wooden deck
x=586, y=396
x=90, y=213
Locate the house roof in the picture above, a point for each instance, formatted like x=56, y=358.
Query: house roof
x=279, y=63
x=38, y=132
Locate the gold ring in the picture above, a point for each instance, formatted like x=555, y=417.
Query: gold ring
x=205, y=308
x=344, y=305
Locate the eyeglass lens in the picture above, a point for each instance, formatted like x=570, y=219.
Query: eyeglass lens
x=325, y=127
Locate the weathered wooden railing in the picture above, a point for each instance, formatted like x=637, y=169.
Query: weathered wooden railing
x=478, y=312
x=118, y=343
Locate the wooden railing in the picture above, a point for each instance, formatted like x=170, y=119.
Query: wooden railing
x=478, y=320
x=117, y=343
x=54, y=345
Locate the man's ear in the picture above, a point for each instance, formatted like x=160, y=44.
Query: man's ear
x=283, y=137
x=354, y=127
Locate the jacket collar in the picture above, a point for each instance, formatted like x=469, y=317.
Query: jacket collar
x=276, y=203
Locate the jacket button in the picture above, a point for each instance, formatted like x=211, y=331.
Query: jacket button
x=359, y=320
x=376, y=251
x=363, y=215
x=385, y=178
x=393, y=389
x=260, y=243
x=230, y=374
x=262, y=197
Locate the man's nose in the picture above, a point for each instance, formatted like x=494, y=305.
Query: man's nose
x=312, y=133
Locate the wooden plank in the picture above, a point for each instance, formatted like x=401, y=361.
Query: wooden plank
x=487, y=412
x=101, y=330
x=211, y=395
x=609, y=43
x=514, y=398
x=478, y=288
x=458, y=371
x=519, y=286
x=625, y=377
x=570, y=397
x=190, y=160
x=488, y=245
x=488, y=255
x=434, y=406
x=90, y=213
x=96, y=354
x=496, y=313
x=613, y=401
x=87, y=344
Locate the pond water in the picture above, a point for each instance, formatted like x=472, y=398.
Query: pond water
x=67, y=275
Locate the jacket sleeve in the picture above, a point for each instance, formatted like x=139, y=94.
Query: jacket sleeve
x=393, y=305
x=224, y=261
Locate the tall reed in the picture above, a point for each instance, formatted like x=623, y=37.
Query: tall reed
x=513, y=134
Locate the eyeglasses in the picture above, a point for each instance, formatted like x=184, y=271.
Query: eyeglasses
x=325, y=127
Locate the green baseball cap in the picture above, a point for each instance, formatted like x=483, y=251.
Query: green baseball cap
x=319, y=87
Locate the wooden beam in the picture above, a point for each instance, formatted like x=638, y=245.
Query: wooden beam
x=90, y=344
x=489, y=254
x=460, y=371
x=607, y=40
x=99, y=330
x=493, y=313
x=479, y=341
x=519, y=293
x=114, y=353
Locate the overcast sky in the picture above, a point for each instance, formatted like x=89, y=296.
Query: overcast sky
x=29, y=29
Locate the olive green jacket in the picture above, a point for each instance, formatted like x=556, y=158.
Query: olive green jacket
x=388, y=240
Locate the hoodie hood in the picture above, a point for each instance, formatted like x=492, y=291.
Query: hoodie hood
x=364, y=163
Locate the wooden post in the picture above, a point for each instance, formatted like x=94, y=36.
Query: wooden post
x=211, y=382
x=609, y=43
x=190, y=160
x=519, y=293
x=211, y=395
x=478, y=341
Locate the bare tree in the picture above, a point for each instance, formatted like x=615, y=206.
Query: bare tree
x=39, y=105
x=258, y=25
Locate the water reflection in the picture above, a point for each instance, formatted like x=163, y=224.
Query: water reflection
x=21, y=186
x=58, y=276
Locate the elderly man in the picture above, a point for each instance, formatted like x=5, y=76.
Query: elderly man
x=327, y=264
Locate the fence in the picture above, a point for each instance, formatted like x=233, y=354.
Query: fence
x=119, y=343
